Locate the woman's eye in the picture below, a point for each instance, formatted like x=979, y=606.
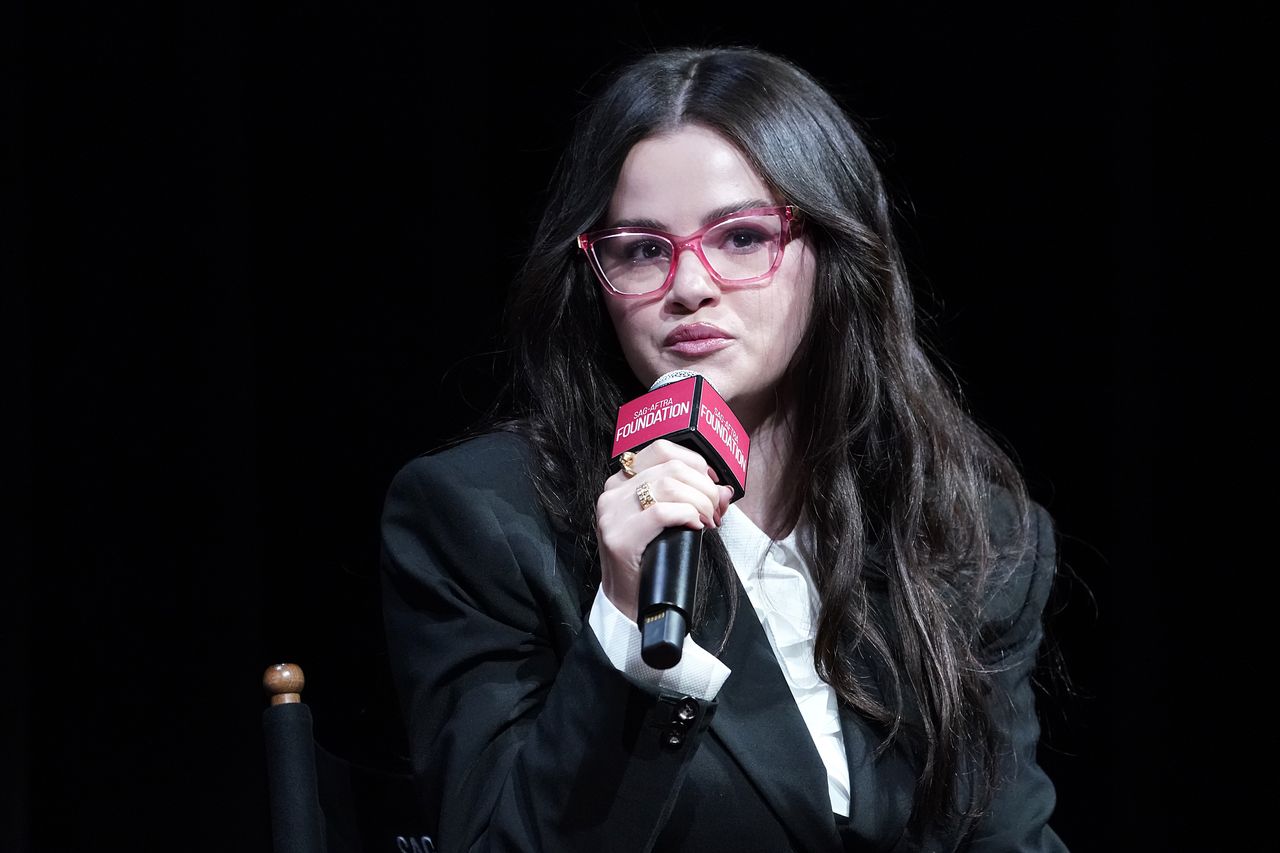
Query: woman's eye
x=647, y=251
x=742, y=240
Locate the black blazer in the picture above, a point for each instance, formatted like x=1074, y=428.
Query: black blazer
x=524, y=736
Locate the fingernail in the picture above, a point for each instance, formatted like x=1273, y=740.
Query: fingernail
x=711, y=472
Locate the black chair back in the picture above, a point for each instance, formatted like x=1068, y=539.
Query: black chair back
x=323, y=803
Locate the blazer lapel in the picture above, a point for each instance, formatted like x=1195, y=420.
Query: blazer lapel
x=760, y=726
x=880, y=788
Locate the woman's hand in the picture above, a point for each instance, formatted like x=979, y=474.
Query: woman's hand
x=685, y=494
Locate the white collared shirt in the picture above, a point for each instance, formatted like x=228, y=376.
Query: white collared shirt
x=777, y=581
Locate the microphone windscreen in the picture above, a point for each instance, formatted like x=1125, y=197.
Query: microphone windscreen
x=672, y=376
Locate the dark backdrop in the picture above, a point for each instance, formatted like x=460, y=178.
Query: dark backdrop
x=258, y=261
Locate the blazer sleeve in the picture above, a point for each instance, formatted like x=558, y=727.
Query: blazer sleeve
x=524, y=736
x=1018, y=820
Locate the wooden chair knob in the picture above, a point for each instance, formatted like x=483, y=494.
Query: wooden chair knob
x=283, y=683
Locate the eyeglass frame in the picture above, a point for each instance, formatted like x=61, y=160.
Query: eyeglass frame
x=693, y=241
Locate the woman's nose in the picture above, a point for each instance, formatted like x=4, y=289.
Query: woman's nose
x=693, y=286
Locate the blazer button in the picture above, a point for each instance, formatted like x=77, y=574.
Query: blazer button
x=672, y=738
x=687, y=711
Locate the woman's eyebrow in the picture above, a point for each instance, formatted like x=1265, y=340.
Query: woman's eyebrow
x=711, y=216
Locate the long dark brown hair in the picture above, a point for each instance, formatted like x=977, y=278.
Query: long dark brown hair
x=894, y=479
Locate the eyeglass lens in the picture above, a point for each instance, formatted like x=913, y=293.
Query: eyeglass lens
x=738, y=249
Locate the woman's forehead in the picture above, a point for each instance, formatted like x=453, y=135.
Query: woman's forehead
x=681, y=178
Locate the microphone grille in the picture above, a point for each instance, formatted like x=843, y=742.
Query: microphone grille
x=672, y=376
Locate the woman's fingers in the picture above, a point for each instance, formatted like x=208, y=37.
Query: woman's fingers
x=625, y=524
x=675, y=482
x=673, y=462
x=662, y=451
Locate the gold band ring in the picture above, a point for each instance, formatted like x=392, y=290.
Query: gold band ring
x=645, y=496
x=627, y=458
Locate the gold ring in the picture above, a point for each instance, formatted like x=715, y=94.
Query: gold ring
x=626, y=459
x=645, y=496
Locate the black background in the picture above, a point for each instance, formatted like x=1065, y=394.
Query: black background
x=260, y=253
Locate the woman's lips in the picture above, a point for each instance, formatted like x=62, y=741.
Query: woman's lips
x=697, y=339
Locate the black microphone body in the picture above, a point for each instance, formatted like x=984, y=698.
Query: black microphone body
x=668, y=581
x=702, y=422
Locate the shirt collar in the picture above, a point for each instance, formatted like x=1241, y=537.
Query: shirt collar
x=748, y=545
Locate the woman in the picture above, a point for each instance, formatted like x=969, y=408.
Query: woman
x=869, y=612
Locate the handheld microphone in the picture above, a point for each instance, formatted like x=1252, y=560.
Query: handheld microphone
x=683, y=407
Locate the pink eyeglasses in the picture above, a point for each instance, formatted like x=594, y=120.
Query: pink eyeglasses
x=741, y=248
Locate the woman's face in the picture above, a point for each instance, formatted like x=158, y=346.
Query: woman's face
x=741, y=338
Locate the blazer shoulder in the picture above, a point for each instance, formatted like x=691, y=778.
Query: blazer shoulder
x=495, y=465
x=1024, y=547
x=467, y=497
